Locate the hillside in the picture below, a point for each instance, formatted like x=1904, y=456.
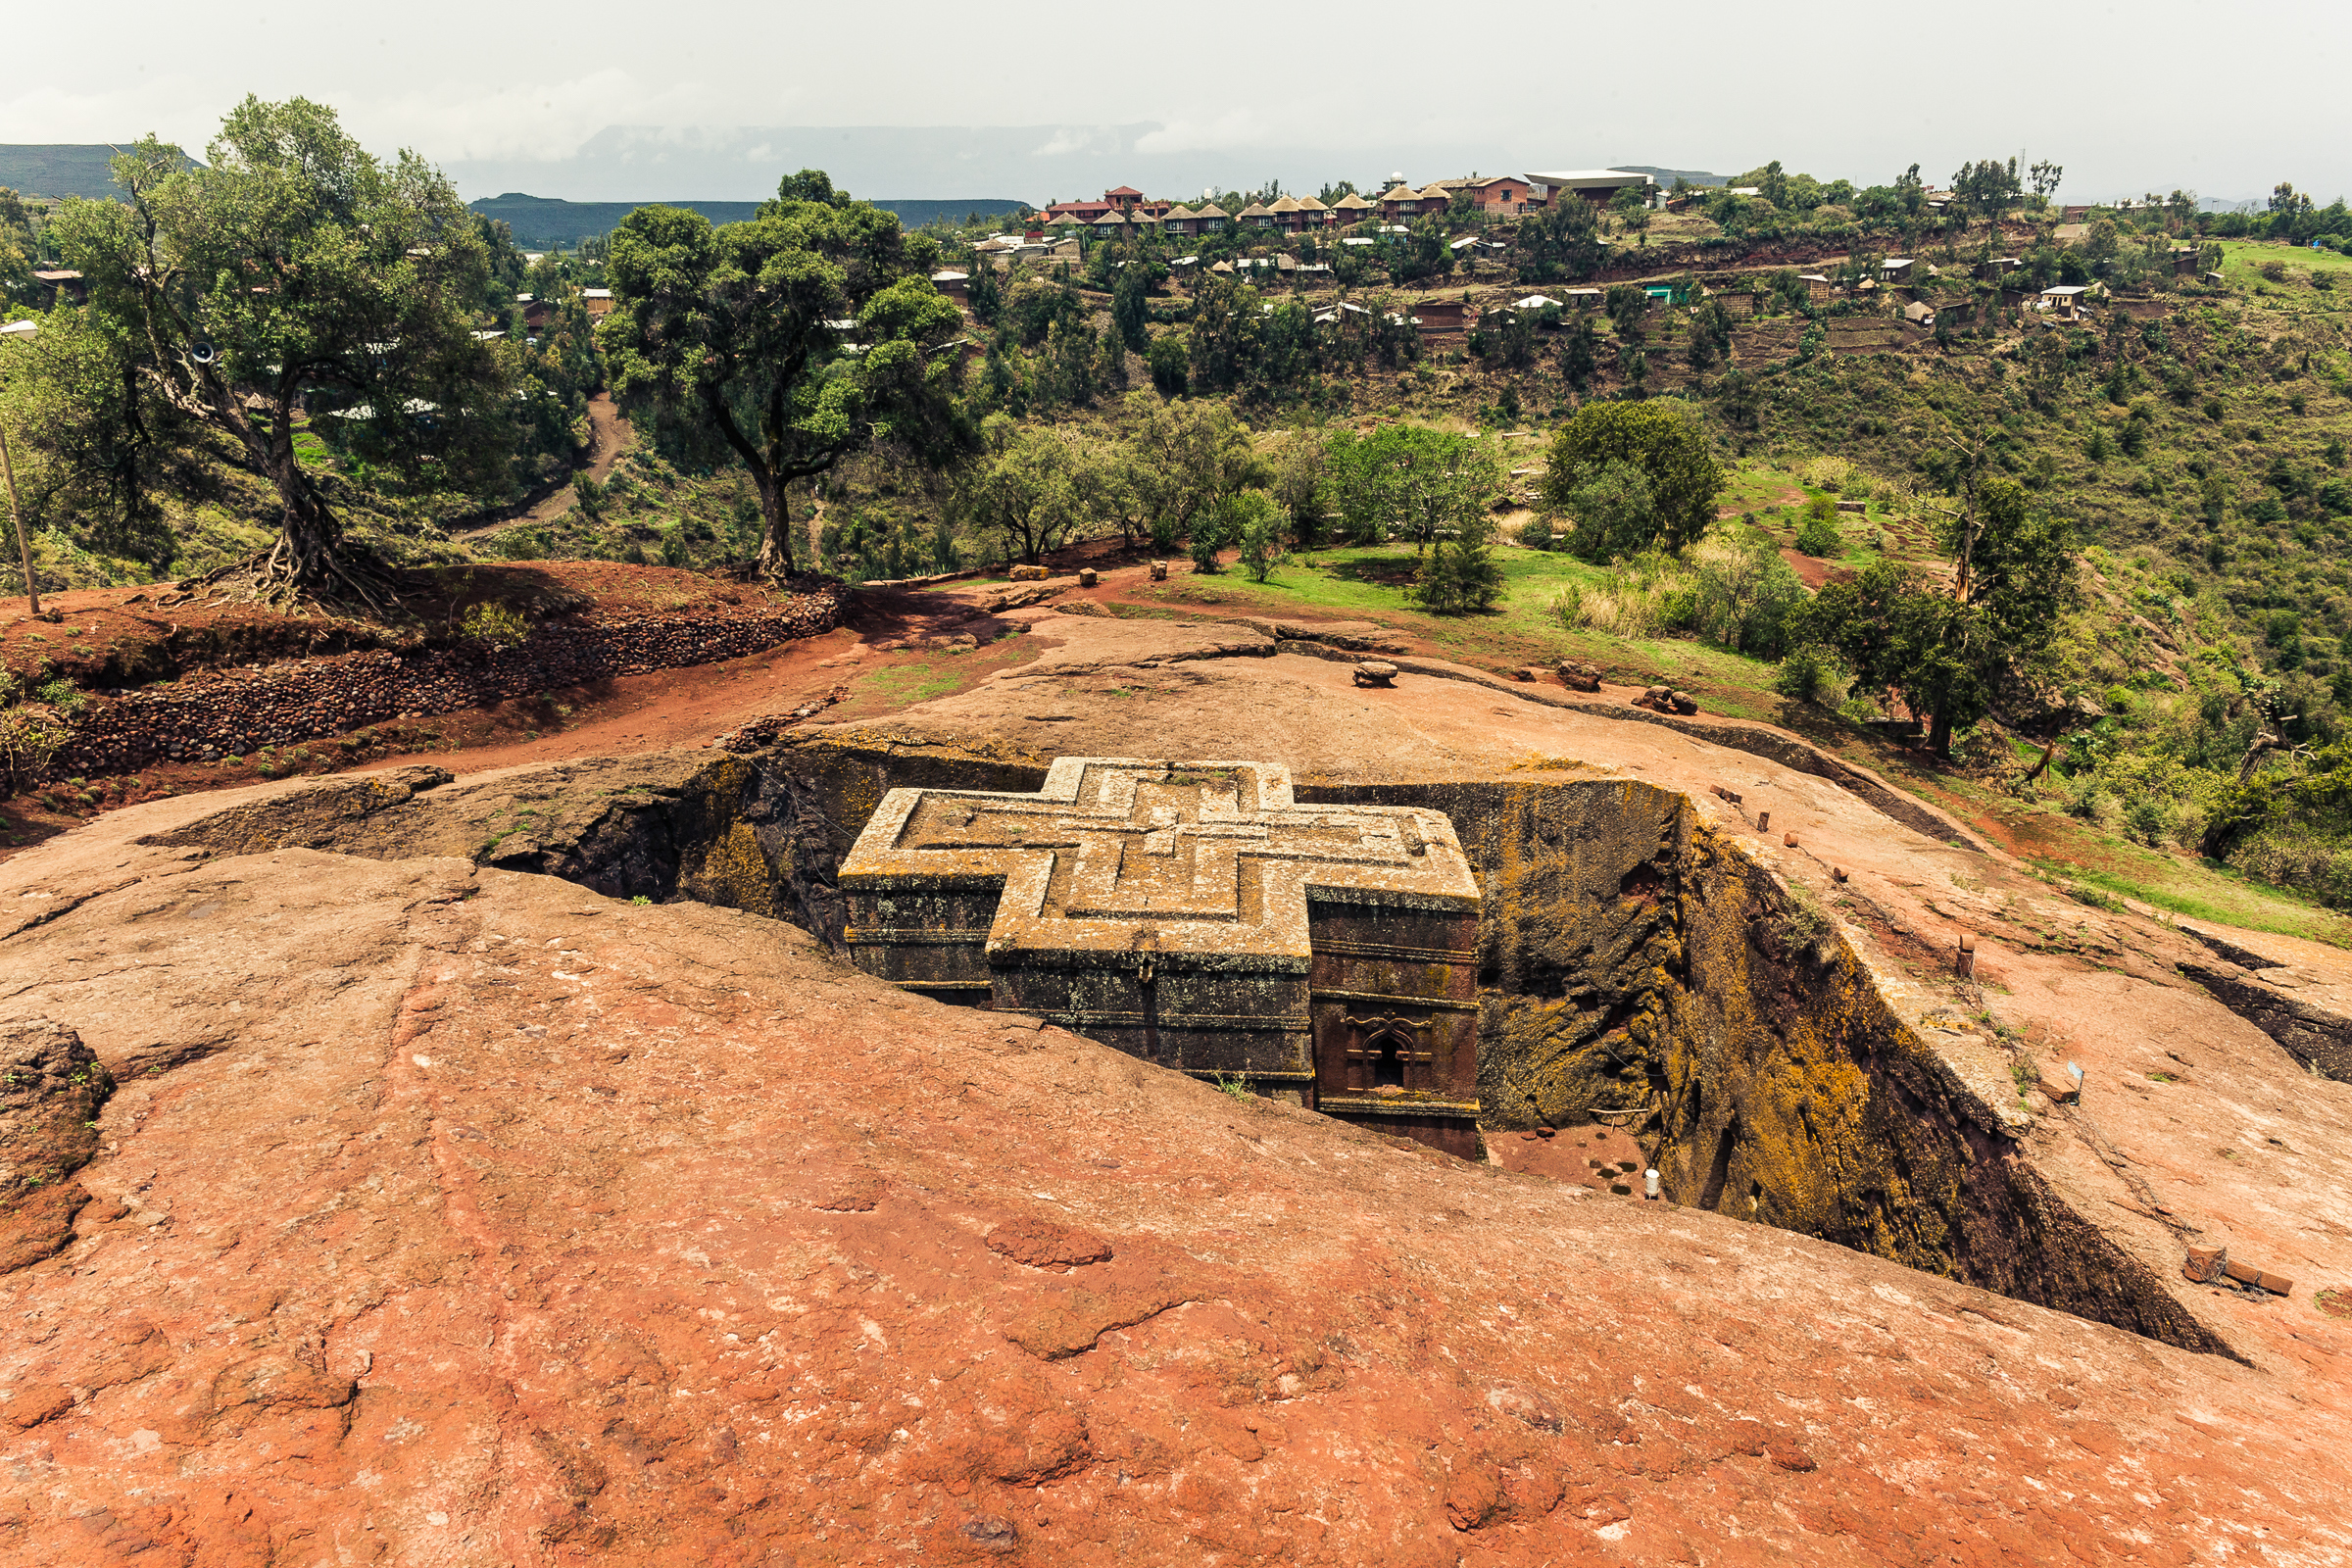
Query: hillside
x=60, y=169
x=542, y=221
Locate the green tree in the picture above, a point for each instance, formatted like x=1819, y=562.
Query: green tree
x=1579, y=352
x=93, y=439
x=1744, y=593
x=1181, y=459
x=1662, y=440
x=1251, y=520
x=1035, y=486
x=1409, y=480
x=294, y=269
x=1299, y=487
x=1131, y=306
x=1562, y=243
x=1612, y=514
x=1171, y=359
x=724, y=340
x=1949, y=658
x=1227, y=329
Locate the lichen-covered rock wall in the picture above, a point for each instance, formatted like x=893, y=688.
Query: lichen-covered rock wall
x=1638, y=968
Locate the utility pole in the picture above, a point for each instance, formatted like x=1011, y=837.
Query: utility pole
x=16, y=513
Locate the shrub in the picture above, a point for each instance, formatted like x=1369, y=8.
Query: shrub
x=1818, y=536
x=1252, y=520
x=1812, y=674
x=29, y=736
x=1207, y=538
x=495, y=625
x=1635, y=599
x=2276, y=272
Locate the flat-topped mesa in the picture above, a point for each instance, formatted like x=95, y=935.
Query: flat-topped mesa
x=1191, y=913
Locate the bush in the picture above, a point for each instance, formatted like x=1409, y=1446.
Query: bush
x=495, y=626
x=1252, y=520
x=29, y=736
x=1207, y=538
x=1636, y=599
x=1812, y=674
x=1169, y=360
x=1818, y=536
x=2291, y=854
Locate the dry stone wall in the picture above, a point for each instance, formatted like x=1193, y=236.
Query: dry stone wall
x=228, y=712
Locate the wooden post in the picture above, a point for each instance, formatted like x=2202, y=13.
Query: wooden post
x=1964, y=964
x=16, y=513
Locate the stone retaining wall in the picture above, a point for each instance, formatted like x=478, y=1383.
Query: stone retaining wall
x=229, y=712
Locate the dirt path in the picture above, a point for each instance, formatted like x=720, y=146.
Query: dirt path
x=610, y=436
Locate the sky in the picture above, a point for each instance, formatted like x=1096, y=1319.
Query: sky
x=712, y=101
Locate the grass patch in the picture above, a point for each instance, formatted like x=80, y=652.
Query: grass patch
x=2206, y=891
x=1369, y=582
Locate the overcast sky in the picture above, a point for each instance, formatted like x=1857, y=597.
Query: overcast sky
x=2222, y=100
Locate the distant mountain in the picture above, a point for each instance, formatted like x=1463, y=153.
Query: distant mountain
x=60, y=169
x=539, y=222
x=1667, y=177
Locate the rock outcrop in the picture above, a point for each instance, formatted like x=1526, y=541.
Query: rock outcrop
x=453, y=1215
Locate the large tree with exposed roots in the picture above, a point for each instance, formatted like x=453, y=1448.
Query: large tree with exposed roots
x=294, y=269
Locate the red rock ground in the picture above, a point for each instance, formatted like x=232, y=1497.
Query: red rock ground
x=396, y=1277
x=453, y=1216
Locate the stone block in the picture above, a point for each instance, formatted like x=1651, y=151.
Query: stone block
x=1160, y=572
x=1579, y=677
x=1088, y=577
x=1376, y=672
x=1030, y=573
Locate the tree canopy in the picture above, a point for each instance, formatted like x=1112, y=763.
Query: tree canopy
x=1659, y=438
x=296, y=268
x=791, y=340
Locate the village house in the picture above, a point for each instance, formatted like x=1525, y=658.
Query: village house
x=1257, y=215
x=1353, y=209
x=1896, y=270
x=1818, y=289
x=1440, y=315
x=955, y=285
x=1125, y=199
x=1995, y=267
x=56, y=283
x=1180, y=221
x=1596, y=185
x=1919, y=314
x=2184, y=261
x=598, y=300
x=1211, y=219
x=2065, y=301
x=1494, y=193
x=1401, y=203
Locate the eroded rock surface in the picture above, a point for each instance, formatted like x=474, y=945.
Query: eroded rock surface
x=450, y=1214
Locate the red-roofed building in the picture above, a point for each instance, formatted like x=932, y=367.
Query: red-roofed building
x=1123, y=198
